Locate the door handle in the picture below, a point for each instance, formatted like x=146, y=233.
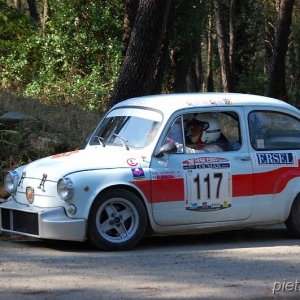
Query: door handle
x=243, y=158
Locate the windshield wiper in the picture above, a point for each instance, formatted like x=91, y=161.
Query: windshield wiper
x=100, y=140
x=123, y=141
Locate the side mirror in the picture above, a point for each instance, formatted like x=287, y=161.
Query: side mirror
x=166, y=148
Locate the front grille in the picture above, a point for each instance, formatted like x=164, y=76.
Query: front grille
x=20, y=221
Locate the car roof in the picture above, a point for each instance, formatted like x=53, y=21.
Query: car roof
x=169, y=103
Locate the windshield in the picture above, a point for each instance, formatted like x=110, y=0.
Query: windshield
x=129, y=127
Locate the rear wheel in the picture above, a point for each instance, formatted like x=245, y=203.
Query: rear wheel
x=293, y=221
x=117, y=220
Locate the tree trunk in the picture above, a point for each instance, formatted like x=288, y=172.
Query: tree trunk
x=222, y=47
x=209, y=72
x=186, y=47
x=164, y=59
x=232, y=35
x=33, y=11
x=18, y=4
x=199, y=72
x=294, y=59
x=137, y=72
x=180, y=65
x=276, y=83
x=269, y=40
x=129, y=17
x=192, y=82
x=45, y=15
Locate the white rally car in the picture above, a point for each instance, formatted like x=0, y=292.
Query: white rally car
x=142, y=172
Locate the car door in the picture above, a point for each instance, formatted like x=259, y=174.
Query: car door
x=194, y=188
x=275, y=150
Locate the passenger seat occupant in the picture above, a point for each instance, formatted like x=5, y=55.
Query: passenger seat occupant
x=205, y=133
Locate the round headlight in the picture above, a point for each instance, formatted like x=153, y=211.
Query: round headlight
x=65, y=189
x=11, y=181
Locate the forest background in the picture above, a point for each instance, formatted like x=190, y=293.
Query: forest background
x=66, y=62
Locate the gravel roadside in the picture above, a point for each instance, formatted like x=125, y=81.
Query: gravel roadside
x=257, y=264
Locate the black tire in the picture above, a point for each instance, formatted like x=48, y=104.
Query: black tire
x=293, y=221
x=117, y=220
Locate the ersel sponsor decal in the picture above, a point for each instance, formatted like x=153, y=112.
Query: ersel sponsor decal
x=284, y=159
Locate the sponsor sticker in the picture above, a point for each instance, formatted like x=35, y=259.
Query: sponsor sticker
x=279, y=159
x=206, y=163
x=65, y=154
x=227, y=102
x=138, y=173
x=210, y=102
x=207, y=183
x=132, y=162
x=225, y=204
x=166, y=175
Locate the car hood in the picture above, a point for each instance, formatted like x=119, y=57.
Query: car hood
x=60, y=165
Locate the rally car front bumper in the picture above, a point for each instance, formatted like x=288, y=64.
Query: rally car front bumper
x=43, y=223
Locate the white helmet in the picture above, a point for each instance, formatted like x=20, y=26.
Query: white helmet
x=211, y=128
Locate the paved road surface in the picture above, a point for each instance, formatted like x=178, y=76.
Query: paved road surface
x=252, y=264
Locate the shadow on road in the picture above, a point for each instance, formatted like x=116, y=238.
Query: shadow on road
x=256, y=237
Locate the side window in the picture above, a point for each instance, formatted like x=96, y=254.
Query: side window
x=212, y=132
x=270, y=130
x=175, y=134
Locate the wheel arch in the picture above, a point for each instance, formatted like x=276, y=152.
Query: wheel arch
x=133, y=190
x=296, y=198
x=293, y=221
x=285, y=199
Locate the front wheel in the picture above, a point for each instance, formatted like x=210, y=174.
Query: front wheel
x=293, y=221
x=117, y=220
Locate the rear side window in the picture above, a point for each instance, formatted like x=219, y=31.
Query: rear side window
x=271, y=130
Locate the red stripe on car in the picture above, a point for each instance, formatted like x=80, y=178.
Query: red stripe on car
x=272, y=182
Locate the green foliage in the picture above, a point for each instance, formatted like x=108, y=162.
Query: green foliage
x=188, y=30
x=76, y=59
x=15, y=28
x=4, y=141
x=15, y=25
x=252, y=83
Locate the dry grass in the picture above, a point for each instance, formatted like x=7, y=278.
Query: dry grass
x=72, y=125
x=68, y=119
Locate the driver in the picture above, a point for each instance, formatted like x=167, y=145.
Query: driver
x=205, y=132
